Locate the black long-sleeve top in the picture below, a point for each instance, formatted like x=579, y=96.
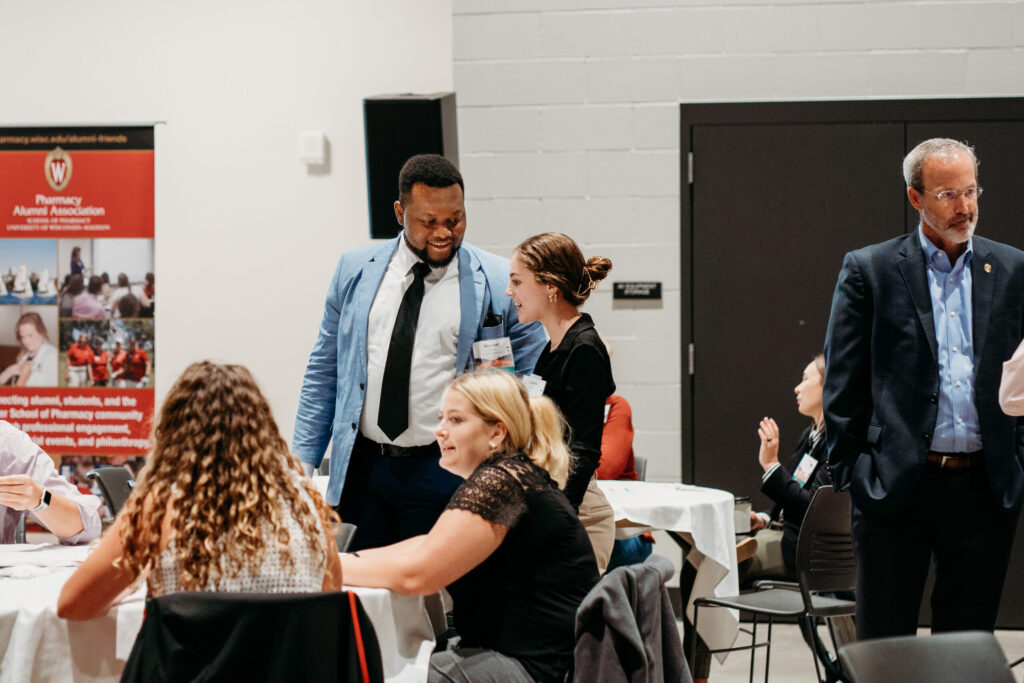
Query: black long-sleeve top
x=791, y=498
x=578, y=376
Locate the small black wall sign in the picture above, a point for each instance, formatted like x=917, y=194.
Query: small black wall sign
x=637, y=290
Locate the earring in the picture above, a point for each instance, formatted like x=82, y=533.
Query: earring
x=551, y=297
x=492, y=446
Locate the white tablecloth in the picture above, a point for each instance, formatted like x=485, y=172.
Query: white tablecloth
x=704, y=516
x=36, y=645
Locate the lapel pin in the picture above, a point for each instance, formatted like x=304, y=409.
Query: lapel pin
x=988, y=267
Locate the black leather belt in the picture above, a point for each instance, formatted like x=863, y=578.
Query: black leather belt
x=393, y=451
x=954, y=461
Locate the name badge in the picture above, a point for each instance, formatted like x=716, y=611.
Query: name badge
x=805, y=469
x=494, y=353
x=534, y=385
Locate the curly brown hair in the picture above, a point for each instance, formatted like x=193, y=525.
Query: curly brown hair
x=555, y=259
x=222, y=469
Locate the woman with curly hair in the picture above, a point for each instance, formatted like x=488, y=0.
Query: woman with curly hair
x=508, y=547
x=220, y=506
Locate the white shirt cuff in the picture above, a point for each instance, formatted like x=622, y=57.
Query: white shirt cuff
x=768, y=473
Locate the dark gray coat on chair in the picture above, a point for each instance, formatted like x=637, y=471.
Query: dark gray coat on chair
x=626, y=629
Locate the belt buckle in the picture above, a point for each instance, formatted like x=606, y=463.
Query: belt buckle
x=942, y=465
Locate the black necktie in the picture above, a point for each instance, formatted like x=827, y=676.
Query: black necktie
x=393, y=414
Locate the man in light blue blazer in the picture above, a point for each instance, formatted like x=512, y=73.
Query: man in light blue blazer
x=385, y=480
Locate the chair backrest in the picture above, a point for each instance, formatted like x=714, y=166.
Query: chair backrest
x=256, y=637
x=824, y=550
x=640, y=464
x=343, y=539
x=939, y=658
x=629, y=600
x=115, y=484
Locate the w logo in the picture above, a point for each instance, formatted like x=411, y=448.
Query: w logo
x=57, y=169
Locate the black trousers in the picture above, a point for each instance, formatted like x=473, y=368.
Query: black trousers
x=390, y=499
x=954, y=521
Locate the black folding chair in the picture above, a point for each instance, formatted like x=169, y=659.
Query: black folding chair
x=825, y=564
x=309, y=637
x=939, y=658
x=116, y=485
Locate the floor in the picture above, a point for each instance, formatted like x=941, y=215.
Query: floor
x=791, y=659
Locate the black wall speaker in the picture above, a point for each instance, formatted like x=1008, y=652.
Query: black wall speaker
x=398, y=127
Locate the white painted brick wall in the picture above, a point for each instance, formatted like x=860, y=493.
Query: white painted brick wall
x=851, y=27
x=595, y=86
x=498, y=129
x=581, y=128
x=540, y=82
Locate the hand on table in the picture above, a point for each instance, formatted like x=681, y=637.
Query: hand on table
x=769, y=433
x=19, y=492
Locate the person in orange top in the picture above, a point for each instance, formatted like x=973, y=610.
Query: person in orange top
x=79, y=357
x=117, y=359
x=617, y=462
x=136, y=366
x=98, y=365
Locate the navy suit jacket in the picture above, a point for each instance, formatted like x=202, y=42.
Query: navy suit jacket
x=882, y=379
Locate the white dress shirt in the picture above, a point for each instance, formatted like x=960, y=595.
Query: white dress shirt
x=433, y=351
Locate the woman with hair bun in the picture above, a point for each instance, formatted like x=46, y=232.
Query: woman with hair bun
x=508, y=546
x=220, y=506
x=548, y=281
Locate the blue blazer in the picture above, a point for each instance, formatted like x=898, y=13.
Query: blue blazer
x=882, y=378
x=331, y=401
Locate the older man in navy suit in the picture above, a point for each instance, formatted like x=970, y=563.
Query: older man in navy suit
x=919, y=330
x=399, y=323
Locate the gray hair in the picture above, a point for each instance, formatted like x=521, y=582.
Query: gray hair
x=913, y=162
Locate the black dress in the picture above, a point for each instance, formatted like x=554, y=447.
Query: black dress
x=578, y=376
x=791, y=498
x=522, y=600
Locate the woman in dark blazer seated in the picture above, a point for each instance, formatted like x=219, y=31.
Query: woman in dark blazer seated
x=792, y=485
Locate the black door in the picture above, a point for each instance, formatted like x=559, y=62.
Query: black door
x=771, y=226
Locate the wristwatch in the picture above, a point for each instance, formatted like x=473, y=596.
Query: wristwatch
x=44, y=502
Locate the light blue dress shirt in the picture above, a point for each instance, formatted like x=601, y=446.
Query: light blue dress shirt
x=950, y=286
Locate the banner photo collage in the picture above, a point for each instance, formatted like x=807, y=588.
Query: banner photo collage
x=77, y=289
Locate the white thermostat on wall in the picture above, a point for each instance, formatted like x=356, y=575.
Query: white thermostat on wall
x=312, y=147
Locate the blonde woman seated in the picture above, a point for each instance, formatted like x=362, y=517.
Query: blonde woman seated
x=509, y=546
x=220, y=506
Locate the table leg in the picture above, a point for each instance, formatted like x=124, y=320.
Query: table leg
x=700, y=667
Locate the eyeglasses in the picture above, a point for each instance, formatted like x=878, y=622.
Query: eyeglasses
x=970, y=194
